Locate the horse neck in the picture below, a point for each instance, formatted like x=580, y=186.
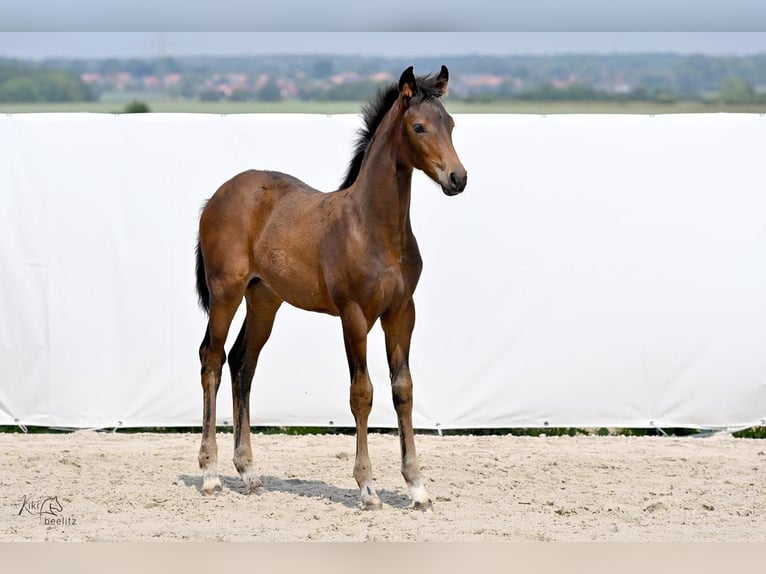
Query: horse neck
x=383, y=187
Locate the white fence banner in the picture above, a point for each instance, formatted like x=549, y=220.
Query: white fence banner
x=597, y=271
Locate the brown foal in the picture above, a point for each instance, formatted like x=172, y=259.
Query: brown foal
x=269, y=237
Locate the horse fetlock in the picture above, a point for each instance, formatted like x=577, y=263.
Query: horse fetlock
x=362, y=473
x=411, y=474
x=207, y=460
x=242, y=460
x=244, y=464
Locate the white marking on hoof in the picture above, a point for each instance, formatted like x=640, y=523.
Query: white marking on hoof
x=420, y=498
x=210, y=483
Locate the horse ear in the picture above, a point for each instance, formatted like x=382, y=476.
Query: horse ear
x=407, y=84
x=442, y=81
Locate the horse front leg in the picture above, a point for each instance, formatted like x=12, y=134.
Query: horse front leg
x=398, y=326
x=355, y=329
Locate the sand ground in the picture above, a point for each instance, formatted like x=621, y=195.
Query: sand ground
x=120, y=487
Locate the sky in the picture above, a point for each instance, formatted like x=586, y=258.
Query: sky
x=382, y=16
x=40, y=45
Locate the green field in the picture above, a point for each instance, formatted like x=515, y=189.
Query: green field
x=454, y=106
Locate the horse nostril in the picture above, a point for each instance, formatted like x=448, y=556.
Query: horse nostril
x=458, y=180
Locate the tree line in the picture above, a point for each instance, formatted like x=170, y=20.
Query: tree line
x=20, y=84
x=645, y=77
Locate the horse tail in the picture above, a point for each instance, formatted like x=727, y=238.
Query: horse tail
x=203, y=293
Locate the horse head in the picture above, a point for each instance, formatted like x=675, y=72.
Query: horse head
x=427, y=130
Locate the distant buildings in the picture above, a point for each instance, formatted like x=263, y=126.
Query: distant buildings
x=646, y=77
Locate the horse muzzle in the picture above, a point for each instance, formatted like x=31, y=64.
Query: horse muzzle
x=456, y=183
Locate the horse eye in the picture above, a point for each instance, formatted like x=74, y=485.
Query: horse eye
x=419, y=129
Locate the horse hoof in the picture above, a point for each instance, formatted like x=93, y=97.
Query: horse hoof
x=255, y=487
x=373, y=504
x=426, y=506
x=211, y=485
x=253, y=484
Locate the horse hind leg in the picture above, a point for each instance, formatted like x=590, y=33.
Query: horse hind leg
x=212, y=358
x=262, y=306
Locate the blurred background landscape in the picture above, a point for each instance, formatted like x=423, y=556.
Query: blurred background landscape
x=649, y=79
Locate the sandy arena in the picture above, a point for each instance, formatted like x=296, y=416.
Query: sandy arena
x=119, y=487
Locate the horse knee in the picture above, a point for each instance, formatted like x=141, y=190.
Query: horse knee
x=361, y=395
x=401, y=390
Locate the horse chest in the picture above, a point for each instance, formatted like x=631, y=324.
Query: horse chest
x=390, y=282
x=383, y=284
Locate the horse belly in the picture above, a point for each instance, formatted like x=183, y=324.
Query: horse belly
x=295, y=281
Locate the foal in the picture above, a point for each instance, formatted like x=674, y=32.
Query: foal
x=269, y=237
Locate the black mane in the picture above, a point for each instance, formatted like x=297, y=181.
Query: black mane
x=373, y=113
